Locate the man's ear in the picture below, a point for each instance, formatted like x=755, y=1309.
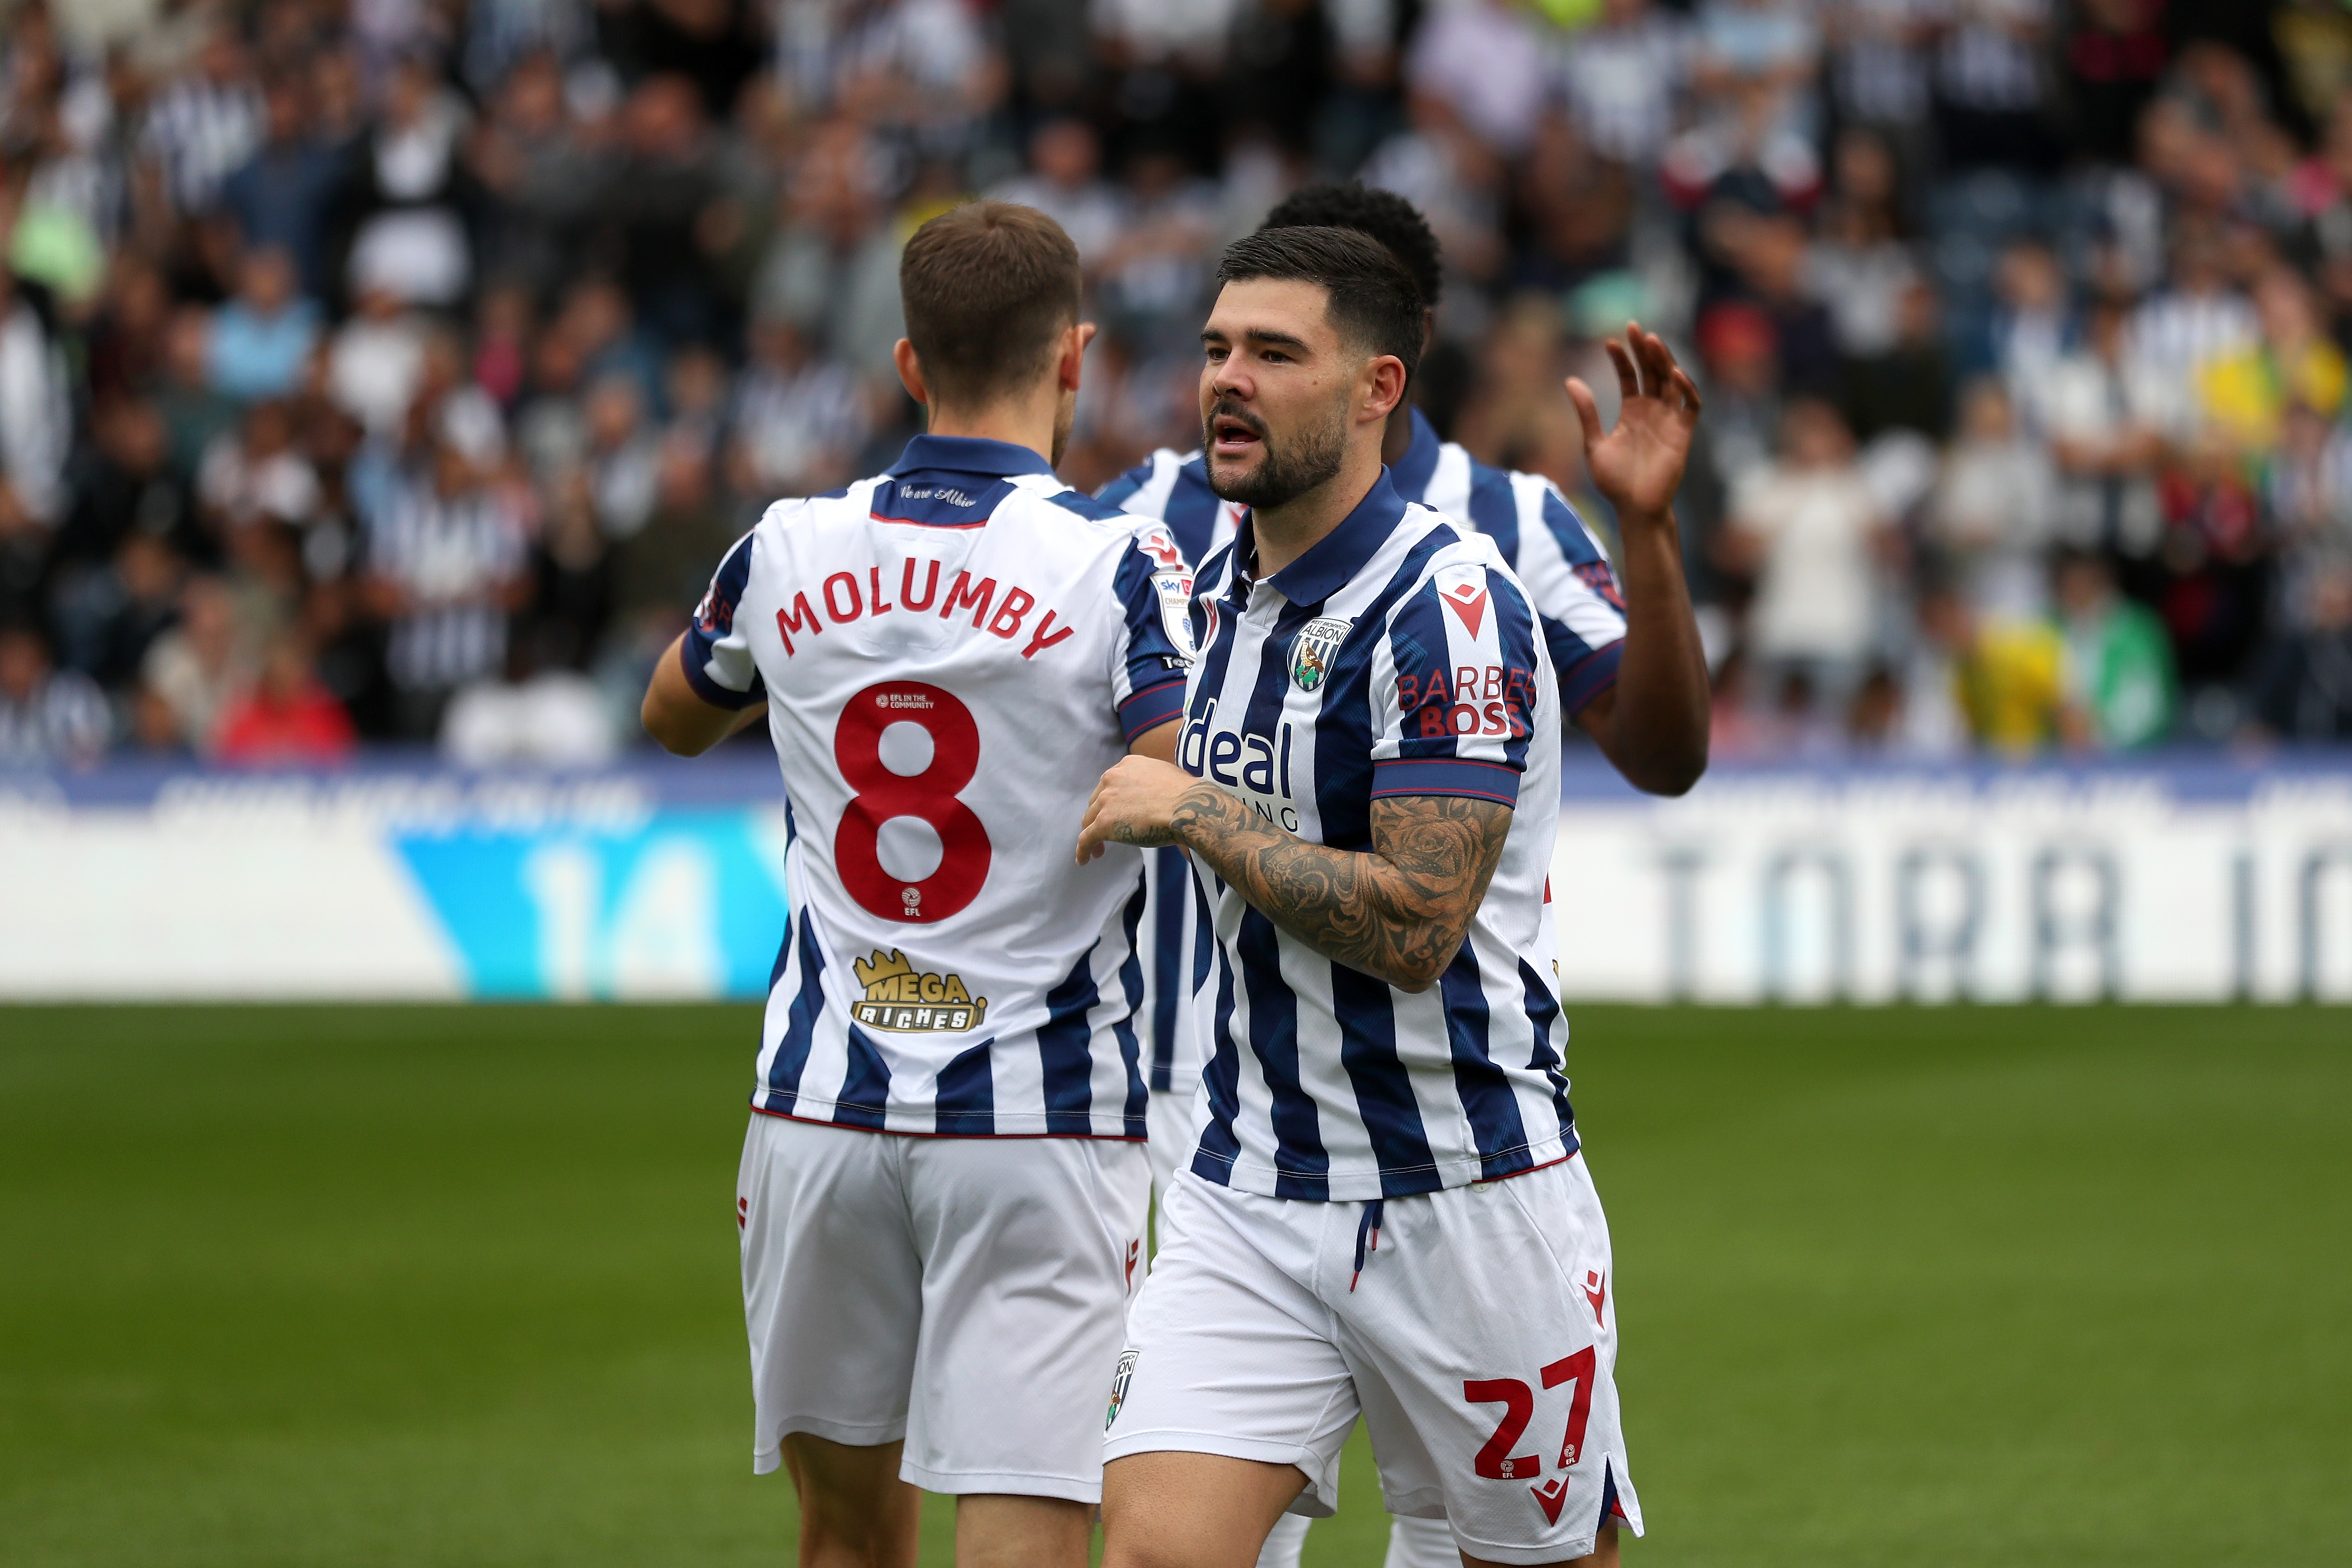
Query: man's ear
x=1384, y=382
x=910, y=371
x=1074, y=354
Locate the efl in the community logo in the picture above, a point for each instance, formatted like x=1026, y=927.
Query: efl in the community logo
x=899, y=996
x=1314, y=648
x=1118, y=1382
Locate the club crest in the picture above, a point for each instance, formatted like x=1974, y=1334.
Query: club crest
x=1119, y=1383
x=1314, y=648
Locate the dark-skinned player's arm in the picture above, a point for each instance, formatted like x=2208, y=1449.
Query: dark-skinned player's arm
x=686, y=722
x=1652, y=724
x=688, y=725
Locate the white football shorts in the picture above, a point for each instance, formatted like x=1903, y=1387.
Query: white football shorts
x=964, y=1294
x=1474, y=1331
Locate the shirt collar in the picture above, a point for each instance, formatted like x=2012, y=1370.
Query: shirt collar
x=1412, y=471
x=1332, y=561
x=969, y=455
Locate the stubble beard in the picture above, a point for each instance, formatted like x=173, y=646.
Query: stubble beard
x=1311, y=457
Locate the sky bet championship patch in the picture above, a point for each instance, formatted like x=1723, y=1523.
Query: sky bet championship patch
x=899, y=996
x=1312, y=650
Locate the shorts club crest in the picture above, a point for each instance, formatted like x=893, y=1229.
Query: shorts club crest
x=1120, y=1379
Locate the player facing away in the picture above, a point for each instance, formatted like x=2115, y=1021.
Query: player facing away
x=943, y=1185
x=1626, y=654
x=1387, y=1213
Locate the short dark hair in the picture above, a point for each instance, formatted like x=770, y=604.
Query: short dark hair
x=1385, y=216
x=1373, y=303
x=987, y=288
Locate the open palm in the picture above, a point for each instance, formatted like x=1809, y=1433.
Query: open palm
x=1638, y=466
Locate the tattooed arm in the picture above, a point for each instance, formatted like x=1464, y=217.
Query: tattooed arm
x=1398, y=913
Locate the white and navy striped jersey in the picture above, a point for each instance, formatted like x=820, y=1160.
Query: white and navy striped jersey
x=951, y=653
x=1556, y=556
x=1400, y=656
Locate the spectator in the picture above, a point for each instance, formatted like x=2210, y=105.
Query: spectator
x=833, y=271
x=1995, y=507
x=279, y=199
x=109, y=618
x=48, y=715
x=2302, y=685
x=257, y=474
x=1859, y=270
x=1486, y=60
x=1066, y=185
x=798, y=421
x=199, y=669
x=262, y=340
x=1808, y=530
x=289, y=716
x=195, y=413
x=2118, y=663
x=375, y=361
x=622, y=470
x=1624, y=74
x=445, y=565
x=542, y=174
x=2006, y=681
x=206, y=122
x=2105, y=411
x=2244, y=393
x=405, y=201
x=36, y=423
x=662, y=207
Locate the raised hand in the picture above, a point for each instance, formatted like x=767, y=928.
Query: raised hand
x=1638, y=467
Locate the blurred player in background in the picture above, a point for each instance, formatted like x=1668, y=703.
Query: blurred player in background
x=943, y=1187
x=1631, y=672
x=1369, y=786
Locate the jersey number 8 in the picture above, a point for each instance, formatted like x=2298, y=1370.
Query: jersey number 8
x=929, y=795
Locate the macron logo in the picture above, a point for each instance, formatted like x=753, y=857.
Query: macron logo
x=1468, y=601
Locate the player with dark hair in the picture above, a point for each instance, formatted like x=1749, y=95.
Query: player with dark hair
x=943, y=1185
x=1630, y=667
x=1384, y=1213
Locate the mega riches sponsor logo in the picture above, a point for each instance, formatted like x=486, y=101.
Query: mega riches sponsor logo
x=900, y=996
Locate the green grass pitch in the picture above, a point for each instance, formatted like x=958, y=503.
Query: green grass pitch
x=423, y=1286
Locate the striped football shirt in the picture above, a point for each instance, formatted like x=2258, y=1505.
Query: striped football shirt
x=1567, y=578
x=1400, y=656
x=951, y=653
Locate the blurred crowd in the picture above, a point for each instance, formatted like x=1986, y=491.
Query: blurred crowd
x=396, y=370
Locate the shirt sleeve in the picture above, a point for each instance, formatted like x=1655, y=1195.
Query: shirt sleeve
x=1460, y=687
x=1155, y=595
x=716, y=657
x=1579, y=606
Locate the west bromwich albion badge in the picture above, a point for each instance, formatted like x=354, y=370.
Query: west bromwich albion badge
x=1313, y=649
x=1118, y=1382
